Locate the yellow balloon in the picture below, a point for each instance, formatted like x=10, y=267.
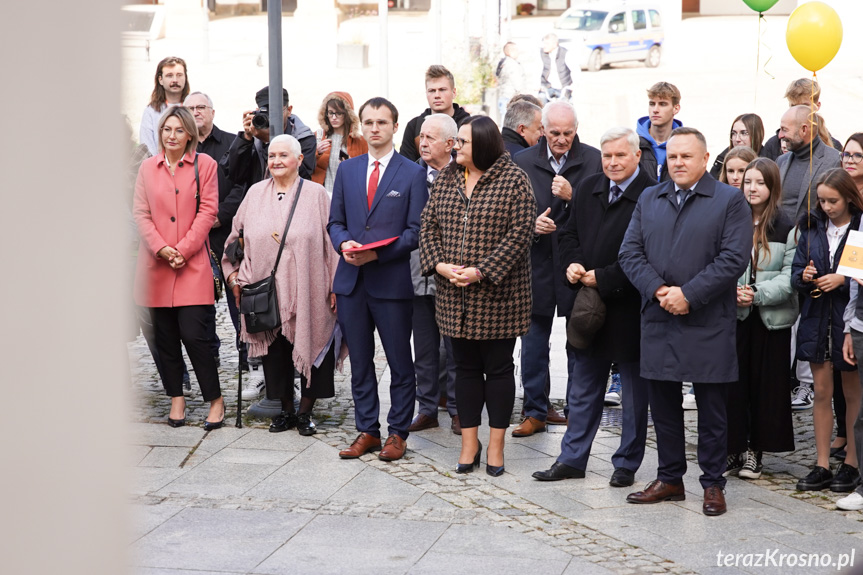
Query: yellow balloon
x=814, y=35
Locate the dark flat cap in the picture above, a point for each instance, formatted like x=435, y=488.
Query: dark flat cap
x=588, y=315
x=262, y=98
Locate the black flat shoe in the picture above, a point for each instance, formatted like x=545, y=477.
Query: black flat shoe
x=283, y=422
x=494, y=471
x=845, y=480
x=468, y=467
x=305, y=425
x=819, y=478
x=622, y=477
x=176, y=422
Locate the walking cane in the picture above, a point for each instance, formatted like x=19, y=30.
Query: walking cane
x=239, y=423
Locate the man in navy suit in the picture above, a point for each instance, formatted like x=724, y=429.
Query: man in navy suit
x=377, y=196
x=688, y=242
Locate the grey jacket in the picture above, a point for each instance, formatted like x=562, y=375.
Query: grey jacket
x=823, y=158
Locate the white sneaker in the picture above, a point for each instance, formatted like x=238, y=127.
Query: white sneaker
x=802, y=398
x=253, y=383
x=689, y=402
x=853, y=502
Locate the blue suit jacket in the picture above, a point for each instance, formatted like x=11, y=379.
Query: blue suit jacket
x=401, y=196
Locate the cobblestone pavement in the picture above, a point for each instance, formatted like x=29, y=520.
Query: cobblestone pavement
x=472, y=500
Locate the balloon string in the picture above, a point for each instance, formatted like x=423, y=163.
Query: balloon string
x=762, y=34
x=811, y=141
x=757, y=60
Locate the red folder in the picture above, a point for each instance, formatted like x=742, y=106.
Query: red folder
x=371, y=246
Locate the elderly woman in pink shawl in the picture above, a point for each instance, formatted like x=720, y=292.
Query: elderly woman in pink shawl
x=308, y=338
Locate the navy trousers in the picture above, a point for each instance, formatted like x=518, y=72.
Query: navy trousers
x=359, y=314
x=585, y=402
x=534, y=366
x=666, y=406
x=428, y=360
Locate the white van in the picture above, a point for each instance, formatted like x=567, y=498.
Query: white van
x=604, y=32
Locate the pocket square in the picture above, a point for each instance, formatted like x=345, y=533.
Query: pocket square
x=394, y=194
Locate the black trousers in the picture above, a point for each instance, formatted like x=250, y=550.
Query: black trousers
x=666, y=406
x=484, y=375
x=187, y=325
x=279, y=373
x=758, y=406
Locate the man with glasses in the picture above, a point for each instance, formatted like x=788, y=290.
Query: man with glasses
x=171, y=87
x=215, y=143
x=376, y=197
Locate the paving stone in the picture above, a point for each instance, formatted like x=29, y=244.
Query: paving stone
x=373, y=486
x=214, y=478
x=370, y=545
x=170, y=457
x=216, y=539
x=463, y=564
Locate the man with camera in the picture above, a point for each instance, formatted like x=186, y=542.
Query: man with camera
x=247, y=158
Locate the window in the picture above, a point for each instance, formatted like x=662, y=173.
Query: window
x=586, y=20
x=655, y=19
x=617, y=23
x=639, y=22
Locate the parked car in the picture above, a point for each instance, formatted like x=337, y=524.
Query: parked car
x=605, y=32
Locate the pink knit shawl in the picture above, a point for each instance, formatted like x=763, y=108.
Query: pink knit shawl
x=304, y=278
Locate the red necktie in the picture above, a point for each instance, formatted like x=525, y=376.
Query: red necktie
x=373, y=184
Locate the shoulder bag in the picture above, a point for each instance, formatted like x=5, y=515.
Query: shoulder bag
x=259, y=303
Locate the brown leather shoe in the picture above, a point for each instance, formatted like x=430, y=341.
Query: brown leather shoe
x=441, y=402
x=456, y=425
x=528, y=427
x=421, y=422
x=714, y=501
x=657, y=491
x=394, y=448
x=362, y=444
x=555, y=417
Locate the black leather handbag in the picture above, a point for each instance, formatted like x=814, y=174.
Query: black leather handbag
x=259, y=302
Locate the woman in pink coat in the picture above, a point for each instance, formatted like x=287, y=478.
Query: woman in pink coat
x=174, y=278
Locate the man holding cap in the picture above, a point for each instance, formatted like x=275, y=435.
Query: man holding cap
x=247, y=158
x=602, y=208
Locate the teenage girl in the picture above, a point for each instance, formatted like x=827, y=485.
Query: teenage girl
x=822, y=236
x=736, y=161
x=758, y=405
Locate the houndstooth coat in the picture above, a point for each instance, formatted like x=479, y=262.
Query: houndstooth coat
x=492, y=231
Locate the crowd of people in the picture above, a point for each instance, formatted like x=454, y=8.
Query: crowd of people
x=474, y=235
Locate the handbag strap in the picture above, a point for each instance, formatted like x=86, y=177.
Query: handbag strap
x=288, y=225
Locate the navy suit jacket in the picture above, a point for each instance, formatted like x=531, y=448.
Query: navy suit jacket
x=399, y=201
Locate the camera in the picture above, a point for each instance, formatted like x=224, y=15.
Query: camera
x=261, y=119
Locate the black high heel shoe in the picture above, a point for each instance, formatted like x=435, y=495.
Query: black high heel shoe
x=211, y=425
x=494, y=471
x=176, y=422
x=468, y=467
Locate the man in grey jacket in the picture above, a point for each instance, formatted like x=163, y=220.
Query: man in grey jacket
x=794, y=166
x=436, y=140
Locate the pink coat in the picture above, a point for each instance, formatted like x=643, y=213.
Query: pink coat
x=164, y=210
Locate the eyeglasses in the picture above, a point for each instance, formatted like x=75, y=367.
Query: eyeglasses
x=741, y=133
x=855, y=158
x=200, y=108
x=461, y=142
x=333, y=114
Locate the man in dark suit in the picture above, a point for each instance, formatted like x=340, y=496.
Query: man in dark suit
x=377, y=196
x=601, y=211
x=555, y=165
x=689, y=241
x=431, y=352
x=522, y=127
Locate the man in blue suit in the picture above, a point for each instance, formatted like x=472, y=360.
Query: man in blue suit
x=688, y=242
x=377, y=196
